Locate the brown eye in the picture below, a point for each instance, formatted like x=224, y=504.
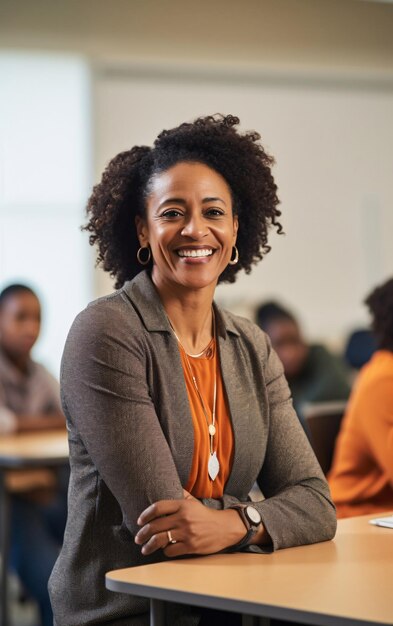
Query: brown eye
x=171, y=213
x=214, y=212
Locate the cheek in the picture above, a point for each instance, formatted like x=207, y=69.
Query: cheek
x=36, y=326
x=16, y=329
x=160, y=239
x=225, y=233
x=9, y=333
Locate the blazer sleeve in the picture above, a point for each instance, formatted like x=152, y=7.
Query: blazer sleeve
x=297, y=509
x=108, y=407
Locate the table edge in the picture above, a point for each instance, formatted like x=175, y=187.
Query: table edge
x=15, y=462
x=237, y=606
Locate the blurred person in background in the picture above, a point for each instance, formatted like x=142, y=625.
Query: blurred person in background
x=361, y=478
x=313, y=373
x=30, y=401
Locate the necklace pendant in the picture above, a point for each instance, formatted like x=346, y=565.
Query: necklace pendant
x=212, y=430
x=213, y=466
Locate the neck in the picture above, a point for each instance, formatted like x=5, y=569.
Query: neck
x=20, y=361
x=190, y=314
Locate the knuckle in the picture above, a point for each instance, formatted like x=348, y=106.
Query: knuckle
x=187, y=515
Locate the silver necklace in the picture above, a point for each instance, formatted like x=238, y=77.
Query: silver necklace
x=213, y=466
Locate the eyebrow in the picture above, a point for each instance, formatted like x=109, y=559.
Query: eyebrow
x=183, y=202
x=213, y=200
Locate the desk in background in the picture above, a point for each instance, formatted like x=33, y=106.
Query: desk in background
x=345, y=582
x=24, y=451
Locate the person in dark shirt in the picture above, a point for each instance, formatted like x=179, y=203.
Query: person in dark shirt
x=313, y=373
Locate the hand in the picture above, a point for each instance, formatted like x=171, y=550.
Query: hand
x=196, y=528
x=187, y=495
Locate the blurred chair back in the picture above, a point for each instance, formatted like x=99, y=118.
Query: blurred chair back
x=361, y=345
x=323, y=421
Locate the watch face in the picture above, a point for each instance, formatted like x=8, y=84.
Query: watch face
x=253, y=515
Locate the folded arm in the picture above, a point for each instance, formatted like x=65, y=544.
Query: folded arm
x=107, y=401
x=297, y=508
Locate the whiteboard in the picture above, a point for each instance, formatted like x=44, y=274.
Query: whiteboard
x=333, y=145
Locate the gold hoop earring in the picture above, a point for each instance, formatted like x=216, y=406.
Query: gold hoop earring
x=138, y=255
x=235, y=260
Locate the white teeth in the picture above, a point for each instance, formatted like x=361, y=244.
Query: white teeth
x=195, y=253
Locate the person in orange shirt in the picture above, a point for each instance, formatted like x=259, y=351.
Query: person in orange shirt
x=361, y=478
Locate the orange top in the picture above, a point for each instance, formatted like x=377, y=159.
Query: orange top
x=199, y=482
x=361, y=478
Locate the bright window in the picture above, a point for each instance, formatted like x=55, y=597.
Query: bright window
x=44, y=183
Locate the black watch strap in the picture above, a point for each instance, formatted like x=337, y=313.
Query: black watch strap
x=243, y=543
x=251, y=527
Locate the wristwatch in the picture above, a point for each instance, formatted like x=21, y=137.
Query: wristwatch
x=251, y=519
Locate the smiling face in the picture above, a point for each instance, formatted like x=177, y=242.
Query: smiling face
x=189, y=226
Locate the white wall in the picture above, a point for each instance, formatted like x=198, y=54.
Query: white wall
x=44, y=181
x=291, y=33
x=291, y=42
x=333, y=143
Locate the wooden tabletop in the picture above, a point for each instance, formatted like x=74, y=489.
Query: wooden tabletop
x=34, y=449
x=326, y=584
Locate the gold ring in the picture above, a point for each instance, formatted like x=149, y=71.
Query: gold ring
x=170, y=538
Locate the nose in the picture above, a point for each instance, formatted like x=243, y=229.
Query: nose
x=32, y=328
x=195, y=227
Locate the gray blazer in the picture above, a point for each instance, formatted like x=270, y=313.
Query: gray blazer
x=131, y=444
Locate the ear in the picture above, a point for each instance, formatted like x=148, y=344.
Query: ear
x=235, y=228
x=142, y=231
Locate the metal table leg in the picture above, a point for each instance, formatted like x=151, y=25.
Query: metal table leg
x=250, y=620
x=4, y=549
x=157, y=612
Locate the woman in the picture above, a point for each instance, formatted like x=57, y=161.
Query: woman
x=175, y=408
x=361, y=478
x=30, y=401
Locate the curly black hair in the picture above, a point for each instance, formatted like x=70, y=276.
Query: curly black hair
x=214, y=141
x=380, y=304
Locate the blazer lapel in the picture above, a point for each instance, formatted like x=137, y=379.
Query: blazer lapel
x=239, y=409
x=166, y=377
x=247, y=410
x=170, y=393
x=175, y=413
